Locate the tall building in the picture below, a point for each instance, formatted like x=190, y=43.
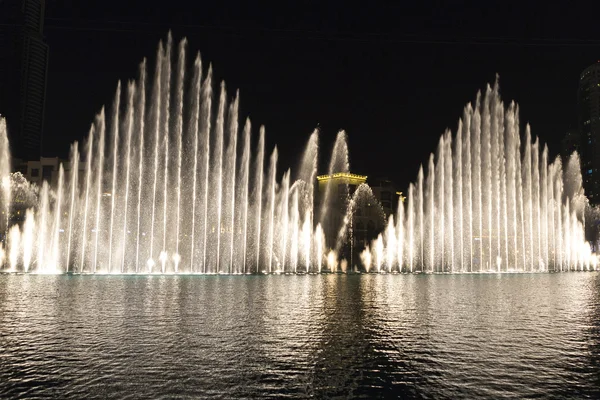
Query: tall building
x=23, y=70
x=589, y=130
x=571, y=142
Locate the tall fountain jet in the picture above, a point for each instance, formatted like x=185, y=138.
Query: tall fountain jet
x=491, y=203
x=5, y=197
x=171, y=180
x=168, y=184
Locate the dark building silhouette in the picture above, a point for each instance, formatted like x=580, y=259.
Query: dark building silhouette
x=570, y=143
x=385, y=191
x=23, y=70
x=589, y=130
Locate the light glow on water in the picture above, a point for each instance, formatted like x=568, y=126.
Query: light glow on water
x=197, y=336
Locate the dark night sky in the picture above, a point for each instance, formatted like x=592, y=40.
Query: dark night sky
x=393, y=75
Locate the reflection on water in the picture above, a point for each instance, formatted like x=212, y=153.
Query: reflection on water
x=361, y=336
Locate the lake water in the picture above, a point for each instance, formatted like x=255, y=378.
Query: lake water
x=321, y=336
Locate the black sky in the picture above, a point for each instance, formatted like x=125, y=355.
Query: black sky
x=394, y=75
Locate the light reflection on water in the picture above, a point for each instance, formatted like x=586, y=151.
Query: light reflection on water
x=368, y=336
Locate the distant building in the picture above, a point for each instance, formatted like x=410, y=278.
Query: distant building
x=589, y=130
x=46, y=169
x=342, y=186
x=570, y=143
x=28, y=178
x=43, y=169
x=23, y=69
x=371, y=210
x=384, y=190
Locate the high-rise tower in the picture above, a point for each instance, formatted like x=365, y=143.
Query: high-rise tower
x=23, y=69
x=589, y=128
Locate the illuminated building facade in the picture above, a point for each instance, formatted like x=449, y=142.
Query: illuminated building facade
x=342, y=186
x=372, y=208
x=589, y=130
x=35, y=172
x=46, y=169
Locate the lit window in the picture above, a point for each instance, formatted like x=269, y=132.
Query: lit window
x=589, y=171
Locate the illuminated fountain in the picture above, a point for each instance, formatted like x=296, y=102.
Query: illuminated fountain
x=170, y=185
x=488, y=202
x=173, y=184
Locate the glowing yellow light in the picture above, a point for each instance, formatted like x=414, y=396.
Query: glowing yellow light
x=347, y=175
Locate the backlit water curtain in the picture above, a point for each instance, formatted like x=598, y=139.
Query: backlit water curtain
x=172, y=182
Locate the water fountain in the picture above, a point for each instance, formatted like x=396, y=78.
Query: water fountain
x=169, y=186
x=490, y=203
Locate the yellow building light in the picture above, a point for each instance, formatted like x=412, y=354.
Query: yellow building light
x=337, y=175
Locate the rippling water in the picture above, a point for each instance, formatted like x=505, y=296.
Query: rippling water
x=360, y=336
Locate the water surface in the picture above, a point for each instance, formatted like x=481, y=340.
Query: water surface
x=356, y=336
